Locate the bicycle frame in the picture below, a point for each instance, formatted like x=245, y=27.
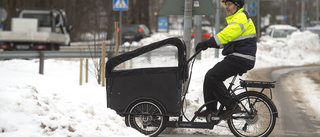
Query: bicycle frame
x=193, y=124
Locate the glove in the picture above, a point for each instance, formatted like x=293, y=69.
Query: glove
x=202, y=46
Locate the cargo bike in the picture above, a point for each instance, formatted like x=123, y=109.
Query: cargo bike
x=152, y=99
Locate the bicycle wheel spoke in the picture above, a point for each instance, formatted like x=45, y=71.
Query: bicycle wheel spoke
x=146, y=118
x=155, y=122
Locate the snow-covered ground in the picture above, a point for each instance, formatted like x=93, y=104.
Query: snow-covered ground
x=54, y=104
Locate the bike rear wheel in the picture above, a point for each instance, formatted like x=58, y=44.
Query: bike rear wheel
x=258, y=116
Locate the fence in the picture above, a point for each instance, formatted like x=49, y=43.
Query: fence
x=49, y=54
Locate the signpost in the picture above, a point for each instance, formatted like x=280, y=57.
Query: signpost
x=120, y=5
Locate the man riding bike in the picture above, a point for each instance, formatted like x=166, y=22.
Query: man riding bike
x=239, y=44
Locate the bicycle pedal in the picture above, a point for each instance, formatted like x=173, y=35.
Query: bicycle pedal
x=215, y=118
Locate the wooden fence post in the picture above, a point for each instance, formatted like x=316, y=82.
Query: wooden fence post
x=103, y=56
x=80, y=82
x=87, y=69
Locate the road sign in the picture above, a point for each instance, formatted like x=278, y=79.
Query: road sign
x=253, y=4
x=163, y=24
x=252, y=12
x=120, y=5
x=252, y=7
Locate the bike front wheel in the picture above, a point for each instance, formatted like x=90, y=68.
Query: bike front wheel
x=257, y=117
x=147, y=118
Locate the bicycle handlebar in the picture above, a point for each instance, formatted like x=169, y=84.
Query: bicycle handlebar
x=193, y=56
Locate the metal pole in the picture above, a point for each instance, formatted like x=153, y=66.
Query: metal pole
x=258, y=19
x=217, y=26
x=303, y=15
x=117, y=38
x=317, y=13
x=120, y=26
x=197, y=31
x=187, y=25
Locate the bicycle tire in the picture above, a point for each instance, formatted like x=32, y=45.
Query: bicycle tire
x=149, y=122
x=261, y=122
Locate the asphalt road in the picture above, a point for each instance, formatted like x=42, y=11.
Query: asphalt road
x=293, y=120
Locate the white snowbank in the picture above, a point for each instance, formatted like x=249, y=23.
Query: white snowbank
x=300, y=48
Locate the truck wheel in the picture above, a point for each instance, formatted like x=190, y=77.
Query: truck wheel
x=56, y=47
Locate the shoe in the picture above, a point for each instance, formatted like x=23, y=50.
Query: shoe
x=225, y=115
x=205, y=113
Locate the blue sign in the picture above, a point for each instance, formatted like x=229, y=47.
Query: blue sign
x=163, y=24
x=252, y=8
x=252, y=12
x=253, y=4
x=120, y=5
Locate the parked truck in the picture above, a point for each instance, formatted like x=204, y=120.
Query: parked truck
x=37, y=29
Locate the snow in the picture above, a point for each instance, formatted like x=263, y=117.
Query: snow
x=300, y=48
x=310, y=93
x=54, y=104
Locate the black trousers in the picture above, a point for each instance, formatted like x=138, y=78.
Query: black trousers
x=214, y=88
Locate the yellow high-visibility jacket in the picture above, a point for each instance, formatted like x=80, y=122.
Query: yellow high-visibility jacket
x=238, y=39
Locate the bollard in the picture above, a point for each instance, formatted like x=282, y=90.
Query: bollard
x=41, y=62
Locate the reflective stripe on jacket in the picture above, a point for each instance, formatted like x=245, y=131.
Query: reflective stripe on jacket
x=238, y=39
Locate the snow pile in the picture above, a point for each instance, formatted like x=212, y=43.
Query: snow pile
x=26, y=112
x=54, y=104
x=301, y=48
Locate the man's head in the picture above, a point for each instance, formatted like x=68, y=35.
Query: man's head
x=238, y=3
x=232, y=6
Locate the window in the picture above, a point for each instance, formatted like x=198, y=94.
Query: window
x=44, y=20
x=165, y=56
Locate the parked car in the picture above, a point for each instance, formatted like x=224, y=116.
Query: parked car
x=280, y=32
x=204, y=35
x=315, y=29
x=134, y=32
